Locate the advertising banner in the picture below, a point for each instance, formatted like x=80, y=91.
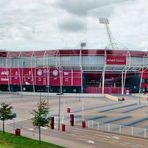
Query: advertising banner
x=41, y=76
x=76, y=78
x=16, y=76
x=54, y=77
x=28, y=76
x=115, y=60
x=67, y=76
x=4, y=76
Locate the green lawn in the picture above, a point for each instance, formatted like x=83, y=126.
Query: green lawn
x=11, y=141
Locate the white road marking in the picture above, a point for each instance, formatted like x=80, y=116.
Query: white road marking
x=104, y=136
x=137, y=146
x=112, y=141
x=30, y=129
x=116, y=137
x=91, y=141
x=44, y=128
x=125, y=143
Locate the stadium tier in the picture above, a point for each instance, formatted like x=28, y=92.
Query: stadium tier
x=75, y=70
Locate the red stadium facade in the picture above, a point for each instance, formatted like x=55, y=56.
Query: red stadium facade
x=73, y=71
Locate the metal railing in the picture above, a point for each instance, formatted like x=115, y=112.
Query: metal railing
x=119, y=129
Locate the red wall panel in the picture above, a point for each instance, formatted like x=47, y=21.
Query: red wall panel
x=16, y=76
x=41, y=75
x=28, y=76
x=54, y=77
x=115, y=60
x=67, y=78
x=144, y=85
x=4, y=75
x=76, y=78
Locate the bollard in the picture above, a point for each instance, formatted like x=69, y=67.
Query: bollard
x=71, y=119
x=17, y=132
x=63, y=127
x=68, y=110
x=83, y=124
x=51, y=122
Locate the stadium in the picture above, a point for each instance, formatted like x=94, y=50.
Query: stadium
x=74, y=71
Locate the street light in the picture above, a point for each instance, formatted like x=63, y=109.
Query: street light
x=59, y=94
x=40, y=96
x=83, y=44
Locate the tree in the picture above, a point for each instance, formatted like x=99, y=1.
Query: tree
x=5, y=113
x=40, y=116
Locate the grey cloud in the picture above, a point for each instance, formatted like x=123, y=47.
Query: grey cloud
x=41, y=24
x=72, y=24
x=80, y=7
x=105, y=11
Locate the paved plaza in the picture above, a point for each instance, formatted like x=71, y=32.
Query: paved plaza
x=83, y=107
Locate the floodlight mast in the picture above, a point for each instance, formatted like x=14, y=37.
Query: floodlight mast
x=105, y=21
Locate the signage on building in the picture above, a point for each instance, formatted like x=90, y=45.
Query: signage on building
x=115, y=60
x=40, y=76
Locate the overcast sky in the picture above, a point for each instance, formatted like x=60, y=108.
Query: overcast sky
x=64, y=24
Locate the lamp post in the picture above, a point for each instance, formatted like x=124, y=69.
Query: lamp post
x=59, y=94
x=59, y=114
x=83, y=44
x=40, y=96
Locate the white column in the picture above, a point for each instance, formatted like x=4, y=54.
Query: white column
x=124, y=80
x=71, y=77
x=103, y=72
x=61, y=72
x=103, y=79
x=33, y=77
x=19, y=58
x=122, y=84
x=22, y=70
x=48, y=80
x=81, y=80
x=48, y=77
x=141, y=77
x=81, y=70
x=8, y=73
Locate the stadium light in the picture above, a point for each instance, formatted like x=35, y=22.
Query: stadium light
x=105, y=21
x=83, y=44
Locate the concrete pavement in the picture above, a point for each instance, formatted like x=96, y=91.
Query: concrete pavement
x=75, y=137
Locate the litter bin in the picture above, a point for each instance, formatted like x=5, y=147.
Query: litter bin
x=17, y=132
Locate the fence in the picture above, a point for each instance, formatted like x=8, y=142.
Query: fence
x=119, y=129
